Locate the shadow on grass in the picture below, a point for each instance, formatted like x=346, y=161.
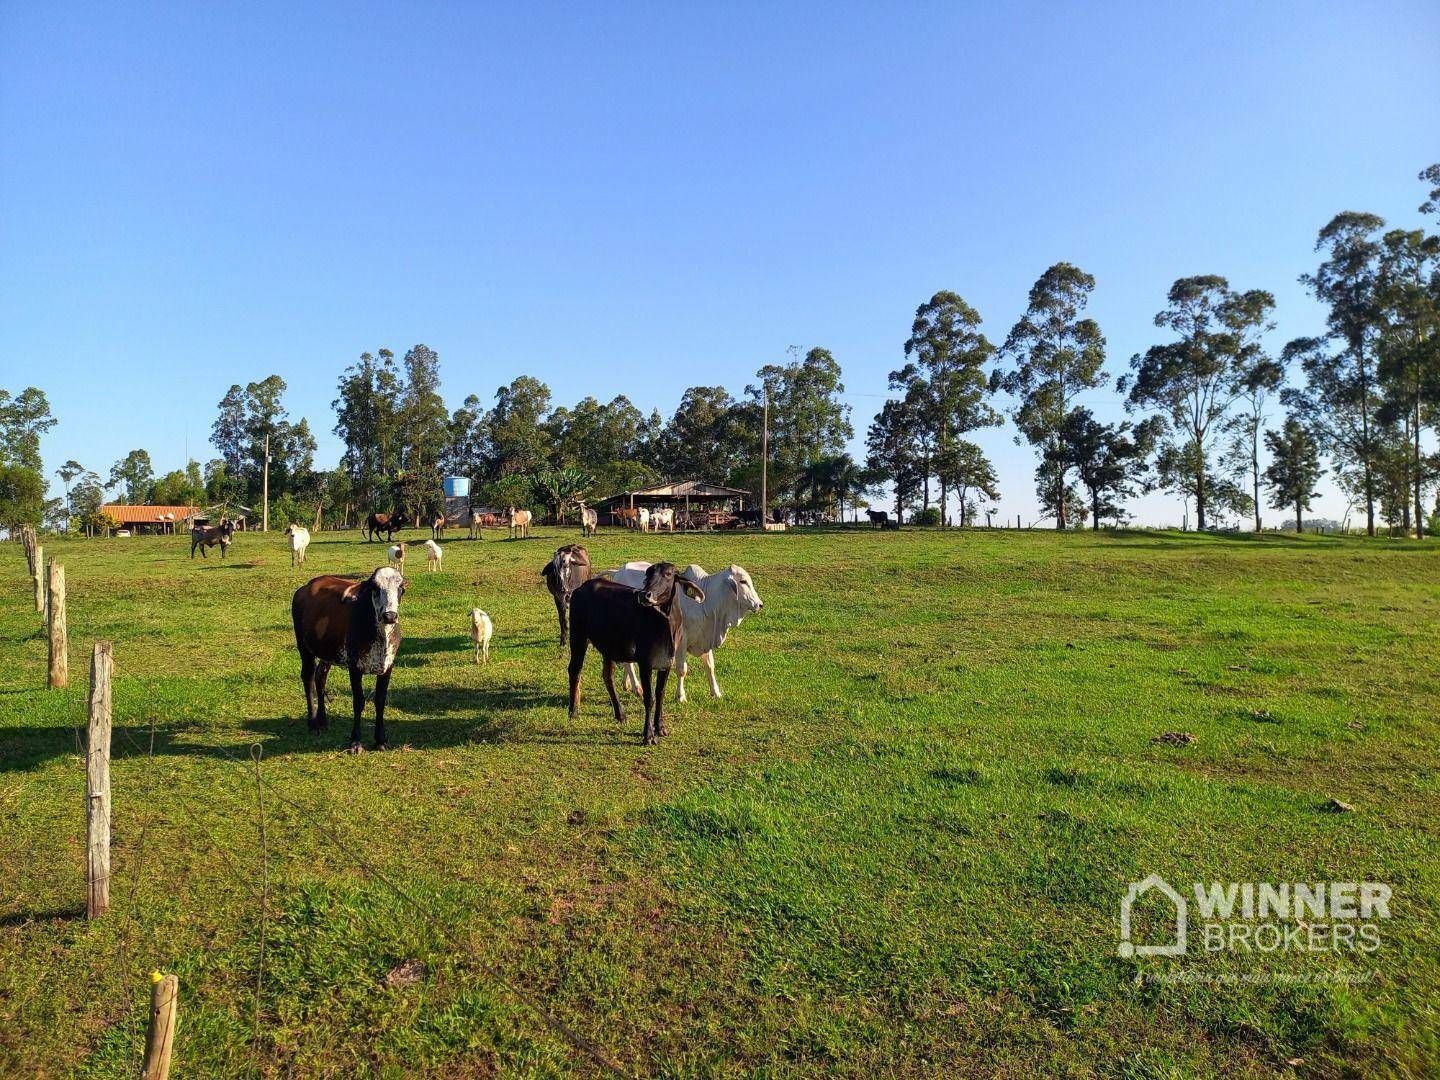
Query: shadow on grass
x=427, y=718
x=53, y=915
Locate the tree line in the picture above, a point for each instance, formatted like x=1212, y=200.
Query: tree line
x=1358, y=397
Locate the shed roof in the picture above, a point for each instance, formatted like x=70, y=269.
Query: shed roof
x=147, y=515
x=679, y=489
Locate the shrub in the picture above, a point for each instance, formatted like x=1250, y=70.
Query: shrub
x=929, y=516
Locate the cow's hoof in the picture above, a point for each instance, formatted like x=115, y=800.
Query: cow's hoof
x=663, y=732
x=650, y=740
x=355, y=748
x=574, y=714
x=381, y=746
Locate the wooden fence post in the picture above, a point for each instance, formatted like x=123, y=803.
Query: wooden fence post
x=97, y=783
x=164, y=992
x=59, y=659
x=27, y=541
x=39, y=576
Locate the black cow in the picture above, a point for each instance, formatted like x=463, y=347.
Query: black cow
x=878, y=518
x=389, y=524
x=340, y=620
x=567, y=570
x=642, y=626
x=207, y=536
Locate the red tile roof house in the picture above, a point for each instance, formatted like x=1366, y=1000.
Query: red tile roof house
x=155, y=519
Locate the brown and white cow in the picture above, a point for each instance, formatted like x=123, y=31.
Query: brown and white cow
x=567, y=570
x=340, y=620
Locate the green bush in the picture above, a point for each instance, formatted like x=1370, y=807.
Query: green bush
x=929, y=516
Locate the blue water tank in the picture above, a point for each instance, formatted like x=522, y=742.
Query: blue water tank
x=457, y=487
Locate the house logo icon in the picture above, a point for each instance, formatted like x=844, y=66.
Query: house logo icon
x=1137, y=889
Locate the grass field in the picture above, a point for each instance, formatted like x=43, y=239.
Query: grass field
x=897, y=845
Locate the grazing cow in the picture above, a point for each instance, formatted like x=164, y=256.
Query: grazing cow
x=481, y=629
x=663, y=519
x=207, y=536
x=389, y=524
x=567, y=570
x=397, y=555
x=589, y=520
x=356, y=623
x=520, y=522
x=642, y=519
x=626, y=516
x=437, y=528
x=299, y=541
x=729, y=596
x=878, y=518
x=433, y=555
x=642, y=626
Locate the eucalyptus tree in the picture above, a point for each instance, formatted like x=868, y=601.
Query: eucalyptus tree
x=1191, y=382
x=893, y=453
x=24, y=418
x=1260, y=379
x=423, y=431
x=1408, y=351
x=67, y=473
x=518, y=441
x=706, y=437
x=808, y=419
x=965, y=468
x=248, y=417
x=949, y=356
x=1342, y=392
x=367, y=420
x=1055, y=356
x=1294, y=468
x=1109, y=459
x=133, y=476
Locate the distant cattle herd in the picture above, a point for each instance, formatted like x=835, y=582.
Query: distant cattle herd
x=646, y=616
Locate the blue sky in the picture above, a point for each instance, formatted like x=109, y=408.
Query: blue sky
x=649, y=197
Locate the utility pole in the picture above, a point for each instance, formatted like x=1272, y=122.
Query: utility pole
x=765, y=462
x=265, y=489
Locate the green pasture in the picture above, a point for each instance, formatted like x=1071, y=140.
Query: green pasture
x=897, y=846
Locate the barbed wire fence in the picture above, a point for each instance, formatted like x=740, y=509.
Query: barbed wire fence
x=197, y=820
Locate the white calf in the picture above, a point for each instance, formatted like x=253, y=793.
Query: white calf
x=729, y=596
x=480, y=630
x=397, y=555
x=663, y=519
x=299, y=541
x=433, y=555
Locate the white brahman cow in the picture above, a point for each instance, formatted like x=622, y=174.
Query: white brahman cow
x=299, y=541
x=729, y=596
x=663, y=519
x=642, y=519
x=519, y=521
